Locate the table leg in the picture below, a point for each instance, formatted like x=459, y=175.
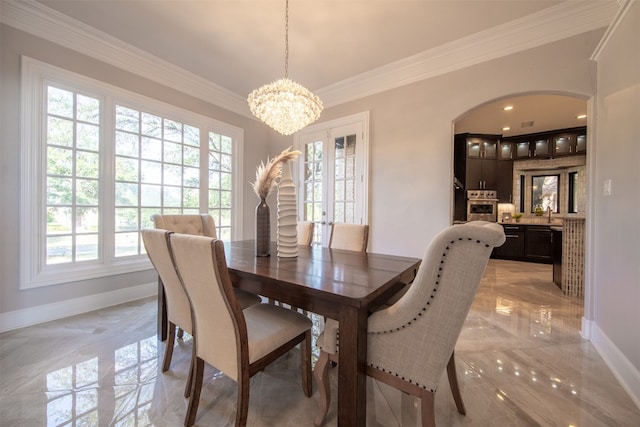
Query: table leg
x=352, y=361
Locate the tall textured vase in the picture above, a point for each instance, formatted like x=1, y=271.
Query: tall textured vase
x=287, y=238
x=263, y=229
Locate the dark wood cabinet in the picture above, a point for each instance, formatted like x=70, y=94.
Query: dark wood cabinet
x=481, y=165
x=545, y=145
x=570, y=143
x=538, y=247
x=513, y=247
x=505, y=181
x=526, y=242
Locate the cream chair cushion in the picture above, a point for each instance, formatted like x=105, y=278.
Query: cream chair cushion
x=197, y=224
x=351, y=237
x=157, y=246
x=267, y=326
x=305, y=233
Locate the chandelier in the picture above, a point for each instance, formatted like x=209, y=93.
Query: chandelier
x=285, y=105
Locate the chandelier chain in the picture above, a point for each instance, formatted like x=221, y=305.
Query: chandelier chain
x=286, y=40
x=285, y=105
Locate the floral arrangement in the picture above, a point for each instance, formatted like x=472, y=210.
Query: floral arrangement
x=266, y=174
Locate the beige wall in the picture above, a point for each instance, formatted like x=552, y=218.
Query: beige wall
x=411, y=134
x=616, y=253
x=13, y=44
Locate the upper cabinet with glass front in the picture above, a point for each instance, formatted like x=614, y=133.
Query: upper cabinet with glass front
x=570, y=143
x=482, y=147
x=551, y=144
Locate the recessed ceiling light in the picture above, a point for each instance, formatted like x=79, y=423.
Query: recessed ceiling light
x=508, y=108
x=506, y=128
x=581, y=116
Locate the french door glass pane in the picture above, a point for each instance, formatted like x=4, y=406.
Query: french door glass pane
x=345, y=177
x=313, y=185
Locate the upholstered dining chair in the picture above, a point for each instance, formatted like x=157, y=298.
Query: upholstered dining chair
x=198, y=225
x=352, y=237
x=305, y=233
x=156, y=243
x=410, y=343
x=239, y=343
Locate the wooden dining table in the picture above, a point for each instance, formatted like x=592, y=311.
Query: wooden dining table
x=340, y=284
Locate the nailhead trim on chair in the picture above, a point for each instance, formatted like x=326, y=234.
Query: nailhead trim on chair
x=435, y=289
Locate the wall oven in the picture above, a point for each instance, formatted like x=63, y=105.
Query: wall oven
x=482, y=205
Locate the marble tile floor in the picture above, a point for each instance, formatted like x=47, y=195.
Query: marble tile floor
x=520, y=357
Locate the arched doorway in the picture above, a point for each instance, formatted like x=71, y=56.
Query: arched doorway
x=533, y=114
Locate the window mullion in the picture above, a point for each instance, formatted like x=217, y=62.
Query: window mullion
x=107, y=178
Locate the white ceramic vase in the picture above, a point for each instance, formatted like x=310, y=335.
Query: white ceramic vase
x=287, y=234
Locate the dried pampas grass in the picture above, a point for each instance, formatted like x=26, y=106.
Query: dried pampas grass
x=266, y=174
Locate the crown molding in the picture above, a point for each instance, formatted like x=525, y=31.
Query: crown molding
x=625, y=5
x=555, y=23
x=564, y=20
x=37, y=19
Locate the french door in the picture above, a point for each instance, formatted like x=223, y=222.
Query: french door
x=332, y=174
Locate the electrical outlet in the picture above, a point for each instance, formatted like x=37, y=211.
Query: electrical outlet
x=607, y=187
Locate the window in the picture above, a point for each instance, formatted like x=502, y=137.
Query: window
x=544, y=192
x=73, y=123
x=573, y=193
x=99, y=161
x=333, y=173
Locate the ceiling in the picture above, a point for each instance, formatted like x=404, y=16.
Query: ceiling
x=239, y=45
x=530, y=114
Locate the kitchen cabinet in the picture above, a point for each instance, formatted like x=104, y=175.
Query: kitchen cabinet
x=570, y=143
x=513, y=246
x=538, y=245
x=532, y=147
x=504, y=184
x=505, y=181
x=476, y=160
x=545, y=145
x=526, y=242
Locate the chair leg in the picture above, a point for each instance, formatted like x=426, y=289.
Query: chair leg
x=192, y=362
x=305, y=364
x=321, y=373
x=168, y=349
x=453, y=383
x=427, y=408
x=194, y=400
x=242, y=409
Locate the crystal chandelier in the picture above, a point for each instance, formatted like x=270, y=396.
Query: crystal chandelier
x=285, y=105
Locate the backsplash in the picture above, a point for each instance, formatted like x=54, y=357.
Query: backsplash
x=562, y=166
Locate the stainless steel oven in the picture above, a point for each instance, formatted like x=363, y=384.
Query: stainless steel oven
x=482, y=205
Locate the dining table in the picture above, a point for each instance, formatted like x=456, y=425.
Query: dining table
x=338, y=284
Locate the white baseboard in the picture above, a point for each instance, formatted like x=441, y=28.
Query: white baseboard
x=44, y=313
x=627, y=375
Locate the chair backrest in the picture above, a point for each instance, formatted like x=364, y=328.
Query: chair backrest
x=196, y=224
x=352, y=237
x=305, y=233
x=156, y=243
x=415, y=337
x=218, y=322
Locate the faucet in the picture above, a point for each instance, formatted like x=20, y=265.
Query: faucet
x=549, y=212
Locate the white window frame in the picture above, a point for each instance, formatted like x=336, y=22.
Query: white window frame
x=325, y=131
x=35, y=76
